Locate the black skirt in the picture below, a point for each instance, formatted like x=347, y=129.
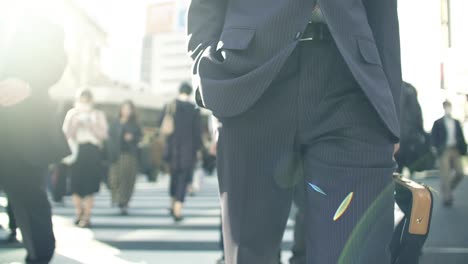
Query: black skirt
x=87, y=170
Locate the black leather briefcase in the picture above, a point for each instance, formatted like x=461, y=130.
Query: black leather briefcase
x=416, y=202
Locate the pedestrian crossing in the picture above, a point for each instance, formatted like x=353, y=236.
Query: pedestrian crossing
x=148, y=234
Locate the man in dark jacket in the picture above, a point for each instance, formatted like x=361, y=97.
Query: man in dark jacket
x=450, y=144
x=302, y=87
x=32, y=60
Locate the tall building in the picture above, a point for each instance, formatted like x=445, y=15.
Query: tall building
x=165, y=63
x=147, y=60
x=454, y=45
x=84, y=42
x=434, y=53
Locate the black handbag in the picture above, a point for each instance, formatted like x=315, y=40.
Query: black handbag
x=416, y=202
x=208, y=162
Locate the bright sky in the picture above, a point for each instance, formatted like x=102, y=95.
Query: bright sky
x=124, y=22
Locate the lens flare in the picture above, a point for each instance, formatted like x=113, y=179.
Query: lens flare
x=343, y=207
x=317, y=189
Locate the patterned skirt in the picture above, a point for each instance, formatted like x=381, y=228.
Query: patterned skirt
x=122, y=179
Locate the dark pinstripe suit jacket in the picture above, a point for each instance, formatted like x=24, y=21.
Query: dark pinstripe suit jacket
x=239, y=46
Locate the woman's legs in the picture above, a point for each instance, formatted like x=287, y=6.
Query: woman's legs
x=173, y=201
x=114, y=182
x=77, y=201
x=178, y=209
x=83, y=206
x=88, y=206
x=128, y=173
x=173, y=190
x=181, y=177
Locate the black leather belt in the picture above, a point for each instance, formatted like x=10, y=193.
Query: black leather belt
x=316, y=31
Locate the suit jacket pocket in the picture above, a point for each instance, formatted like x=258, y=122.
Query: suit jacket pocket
x=236, y=38
x=232, y=57
x=369, y=51
x=232, y=40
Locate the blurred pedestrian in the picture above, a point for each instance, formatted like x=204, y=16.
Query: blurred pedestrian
x=415, y=151
x=32, y=59
x=182, y=145
x=450, y=145
x=124, y=136
x=86, y=128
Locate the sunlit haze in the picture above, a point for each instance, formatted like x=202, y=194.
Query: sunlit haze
x=124, y=23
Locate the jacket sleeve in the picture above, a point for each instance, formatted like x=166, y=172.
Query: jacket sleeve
x=461, y=138
x=382, y=16
x=205, y=23
x=435, y=135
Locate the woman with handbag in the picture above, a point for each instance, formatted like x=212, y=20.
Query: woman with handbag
x=86, y=128
x=181, y=125
x=125, y=134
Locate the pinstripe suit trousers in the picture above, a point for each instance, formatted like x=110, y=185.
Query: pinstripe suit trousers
x=313, y=126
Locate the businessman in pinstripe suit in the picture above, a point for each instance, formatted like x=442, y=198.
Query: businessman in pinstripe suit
x=307, y=93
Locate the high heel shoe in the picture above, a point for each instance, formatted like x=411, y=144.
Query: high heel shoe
x=78, y=219
x=84, y=223
x=171, y=211
x=178, y=219
x=123, y=211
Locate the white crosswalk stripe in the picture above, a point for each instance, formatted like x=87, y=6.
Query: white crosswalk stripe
x=148, y=234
